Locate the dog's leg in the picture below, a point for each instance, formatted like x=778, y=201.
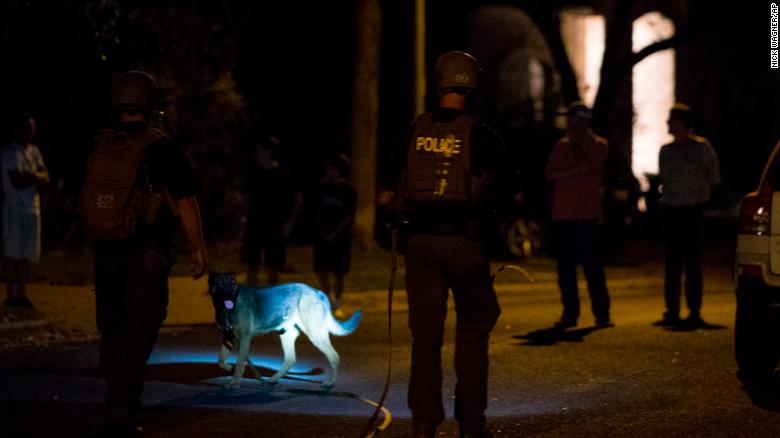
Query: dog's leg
x=243, y=355
x=224, y=351
x=323, y=343
x=288, y=346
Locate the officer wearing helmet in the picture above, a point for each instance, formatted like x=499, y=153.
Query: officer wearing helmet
x=138, y=186
x=446, y=189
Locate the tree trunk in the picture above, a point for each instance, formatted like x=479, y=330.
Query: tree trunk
x=365, y=119
x=613, y=110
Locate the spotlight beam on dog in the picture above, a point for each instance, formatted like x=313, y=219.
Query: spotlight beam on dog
x=242, y=312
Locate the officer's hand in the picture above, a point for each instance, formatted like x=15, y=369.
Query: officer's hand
x=199, y=263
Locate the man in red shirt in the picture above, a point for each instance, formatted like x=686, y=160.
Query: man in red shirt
x=576, y=168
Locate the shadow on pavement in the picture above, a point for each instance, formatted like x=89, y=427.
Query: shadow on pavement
x=194, y=372
x=554, y=335
x=702, y=326
x=188, y=373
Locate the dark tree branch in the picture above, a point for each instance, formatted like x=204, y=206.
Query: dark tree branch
x=673, y=41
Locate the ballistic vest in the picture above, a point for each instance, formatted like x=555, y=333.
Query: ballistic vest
x=112, y=200
x=438, y=160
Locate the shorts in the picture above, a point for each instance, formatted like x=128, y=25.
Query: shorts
x=21, y=234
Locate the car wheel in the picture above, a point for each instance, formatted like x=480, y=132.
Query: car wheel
x=524, y=238
x=754, y=337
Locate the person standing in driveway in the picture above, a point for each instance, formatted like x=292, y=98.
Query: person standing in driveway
x=689, y=171
x=24, y=174
x=576, y=168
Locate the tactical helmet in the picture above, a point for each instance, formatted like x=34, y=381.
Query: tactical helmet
x=133, y=91
x=456, y=70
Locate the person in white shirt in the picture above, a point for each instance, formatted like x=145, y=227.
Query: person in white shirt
x=24, y=174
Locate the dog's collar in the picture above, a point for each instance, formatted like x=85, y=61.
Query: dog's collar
x=228, y=337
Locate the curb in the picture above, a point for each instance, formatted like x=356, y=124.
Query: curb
x=24, y=324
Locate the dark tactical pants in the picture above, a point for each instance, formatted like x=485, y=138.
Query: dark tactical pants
x=580, y=242
x=131, y=294
x=682, y=239
x=435, y=264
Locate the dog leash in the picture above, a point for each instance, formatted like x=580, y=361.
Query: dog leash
x=522, y=271
x=369, y=430
x=386, y=414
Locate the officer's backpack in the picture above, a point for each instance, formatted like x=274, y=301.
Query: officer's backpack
x=438, y=160
x=111, y=197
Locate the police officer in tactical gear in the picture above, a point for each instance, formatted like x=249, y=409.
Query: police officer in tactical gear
x=131, y=271
x=447, y=188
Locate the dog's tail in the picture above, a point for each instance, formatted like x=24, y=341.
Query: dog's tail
x=343, y=328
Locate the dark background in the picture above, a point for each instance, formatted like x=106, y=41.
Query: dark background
x=235, y=70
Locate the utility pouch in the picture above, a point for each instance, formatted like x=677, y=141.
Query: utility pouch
x=151, y=206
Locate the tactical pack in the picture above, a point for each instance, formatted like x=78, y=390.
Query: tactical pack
x=112, y=198
x=438, y=160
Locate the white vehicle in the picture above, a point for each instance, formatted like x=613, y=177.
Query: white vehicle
x=757, y=272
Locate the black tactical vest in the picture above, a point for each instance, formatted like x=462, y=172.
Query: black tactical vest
x=438, y=160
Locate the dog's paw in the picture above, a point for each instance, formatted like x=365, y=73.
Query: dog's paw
x=268, y=382
x=226, y=367
x=233, y=384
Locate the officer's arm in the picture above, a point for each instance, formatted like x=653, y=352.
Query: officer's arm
x=189, y=213
x=712, y=166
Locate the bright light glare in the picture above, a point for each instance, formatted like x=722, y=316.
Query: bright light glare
x=653, y=94
x=583, y=36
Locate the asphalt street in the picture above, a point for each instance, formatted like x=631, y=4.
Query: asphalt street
x=633, y=379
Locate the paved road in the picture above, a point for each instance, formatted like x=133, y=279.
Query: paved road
x=630, y=380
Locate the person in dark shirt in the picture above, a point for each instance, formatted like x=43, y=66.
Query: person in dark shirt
x=131, y=274
x=274, y=209
x=446, y=187
x=333, y=217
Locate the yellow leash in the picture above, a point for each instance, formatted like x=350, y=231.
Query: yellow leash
x=369, y=430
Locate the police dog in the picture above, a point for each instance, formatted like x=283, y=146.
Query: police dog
x=243, y=312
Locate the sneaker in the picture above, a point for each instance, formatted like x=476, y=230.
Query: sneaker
x=693, y=321
x=21, y=302
x=604, y=323
x=565, y=323
x=668, y=320
x=25, y=303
